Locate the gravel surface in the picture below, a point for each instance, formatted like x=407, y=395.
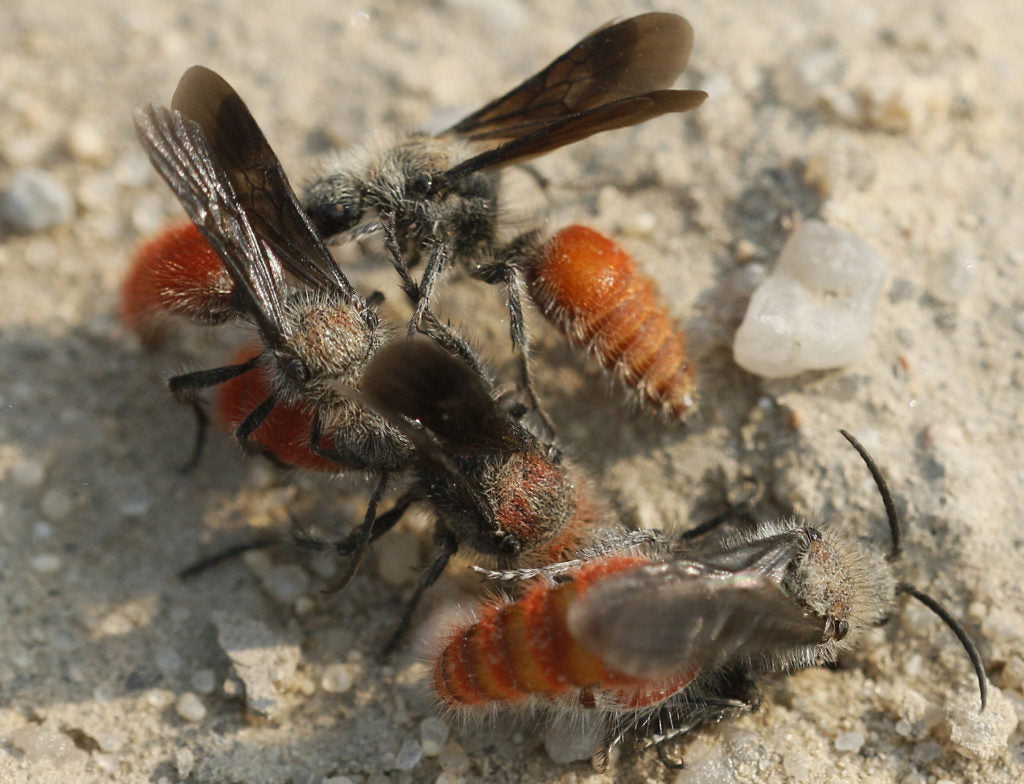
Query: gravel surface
x=898, y=121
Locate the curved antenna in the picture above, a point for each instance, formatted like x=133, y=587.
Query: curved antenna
x=883, y=488
x=925, y=599
x=958, y=630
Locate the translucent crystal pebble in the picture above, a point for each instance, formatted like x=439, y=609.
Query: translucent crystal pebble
x=815, y=310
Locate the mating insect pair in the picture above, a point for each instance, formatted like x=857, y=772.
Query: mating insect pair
x=663, y=636
x=426, y=198
x=253, y=254
x=330, y=388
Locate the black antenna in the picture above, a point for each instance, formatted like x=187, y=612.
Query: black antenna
x=958, y=630
x=925, y=599
x=883, y=488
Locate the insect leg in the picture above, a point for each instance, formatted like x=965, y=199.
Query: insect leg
x=365, y=536
x=204, y=564
x=451, y=341
x=343, y=456
x=508, y=273
x=675, y=724
x=446, y=545
x=252, y=422
x=735, y=510
x=185, y=389
x=440, y=258
x=344, y=546
x=381, y=526
x=407, y=284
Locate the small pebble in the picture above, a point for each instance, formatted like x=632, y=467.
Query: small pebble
x=567, y=742
x=148, y=215
x=190, y=707
x=981, y=734
x=746, y=251
x=134, y=500
x=815, y=310
x=34, y=201
x=110, y=743
x=259, y=563
x=285, y=583
x=97, y=191
x=453, y=758
x=40, y=742
x=433, y=736
x=203, y=681
x=56, y=503
x=86, y=143
x=1012, y=676
x=408, y=756
x=108, y=763
x=638, y=223
x=133, y=171
x=850, y=741
x=914, y=665
x=28, y=473
x=159, y=698
x=926, y=752
x=45, y=563
x=168, y=662
x=185, y=762
x=952, y=273
x=337, y=678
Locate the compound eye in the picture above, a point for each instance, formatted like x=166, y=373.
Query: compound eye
x=335, y=217
x=840, y=629
x=511, y=545
x=420, y=185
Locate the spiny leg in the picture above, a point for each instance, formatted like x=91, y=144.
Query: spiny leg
x=185, y=389
x=735, y=510
x=204, y=564
x=365, y=534
x=407, y=284
x=451, y=341
x=384, y=523
x=343, y=456
x=252, y=422
x=440, y=259
x=381, y=526
x=446, y=545
x=508, y=273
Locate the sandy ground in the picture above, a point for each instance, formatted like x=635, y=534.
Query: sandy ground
x=898, y=121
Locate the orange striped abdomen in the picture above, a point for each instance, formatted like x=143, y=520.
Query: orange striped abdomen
x=286, y=430
x=176, y=273
x=523, y=649
x=592, y=290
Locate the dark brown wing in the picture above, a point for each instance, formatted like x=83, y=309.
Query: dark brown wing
x=423, y=382
x=655, y=620
x=640, y=55
x=182, y=155
x=244, y=156
x=618, y=114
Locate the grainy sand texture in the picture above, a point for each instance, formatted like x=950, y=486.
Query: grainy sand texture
x=896, y=121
